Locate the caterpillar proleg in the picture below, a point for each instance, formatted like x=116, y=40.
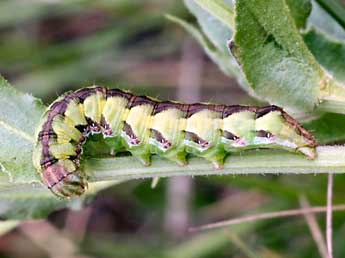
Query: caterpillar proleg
x=145, y=126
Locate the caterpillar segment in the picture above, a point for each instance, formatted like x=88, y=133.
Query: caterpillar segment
x=145, y=126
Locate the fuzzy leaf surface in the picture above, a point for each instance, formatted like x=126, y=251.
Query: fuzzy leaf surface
x=273, y=56
x=328, y=52
x=19, y=116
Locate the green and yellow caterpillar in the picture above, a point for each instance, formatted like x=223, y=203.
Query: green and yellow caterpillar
x=145, y=126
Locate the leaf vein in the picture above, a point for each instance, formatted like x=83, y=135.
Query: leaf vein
x=17, y=131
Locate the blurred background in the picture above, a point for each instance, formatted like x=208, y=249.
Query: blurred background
x=50, y=46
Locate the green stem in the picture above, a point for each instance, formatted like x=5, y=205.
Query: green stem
x=335, y=9
x=331, y=159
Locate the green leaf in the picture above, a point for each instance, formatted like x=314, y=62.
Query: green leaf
x=329, y=53
x=300, y=11
x=215, y=30
x=273, y=56
x=329, y=128
x=28, y=201
x=19, y=116
x=335, y=9
x=33, y=201
x=324, y=22
x=213, y=41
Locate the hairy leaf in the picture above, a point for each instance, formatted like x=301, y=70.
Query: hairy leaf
x=33, y=201
x=19, y=116
x=324, y=22
x=273, y=56
x=214, y=37
x=218, y=56
x=300, y=10
x=329, y=128
x=329, y=53
x=215, y=30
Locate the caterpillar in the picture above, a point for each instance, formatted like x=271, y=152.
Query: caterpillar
x=145, y=126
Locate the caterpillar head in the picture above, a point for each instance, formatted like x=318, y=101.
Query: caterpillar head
x=63, y=183
x=277, y=129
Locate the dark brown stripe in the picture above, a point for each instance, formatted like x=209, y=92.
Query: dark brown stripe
x=229, y=110
x=46, y=135
x=165, y=105
x=48, y=161
x=197, y=107
x=119, y=93
x=265, y=110
x=299, y=129
x=141, y=100
x=54, y=174
x=82, y=94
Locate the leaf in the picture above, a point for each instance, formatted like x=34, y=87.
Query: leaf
x=329, y=128
x=33, y=201
x=215, y=30
x=273, y=56
x=324, y=22
x=28, y=201
x=223, y=61
x=214, y=43
x=335, y=9
x=329, y=53
x=300, y=10
x=19, y=116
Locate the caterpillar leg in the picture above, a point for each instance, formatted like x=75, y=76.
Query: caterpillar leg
x=215, y=155
x=145, y=159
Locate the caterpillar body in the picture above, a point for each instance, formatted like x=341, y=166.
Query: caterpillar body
x=145, y=126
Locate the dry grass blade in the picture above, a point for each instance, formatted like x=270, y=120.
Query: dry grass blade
x=314, y=228
x=329, y=216
x=236, y=240
x=268, y=215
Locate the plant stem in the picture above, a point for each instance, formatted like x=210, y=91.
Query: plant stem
x=335, y=9
x=331, y=159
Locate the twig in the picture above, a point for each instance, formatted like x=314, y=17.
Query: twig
x=314, y=228
x=268, y=215
x=329, y=216
x=331, y=159
x=236, y=240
